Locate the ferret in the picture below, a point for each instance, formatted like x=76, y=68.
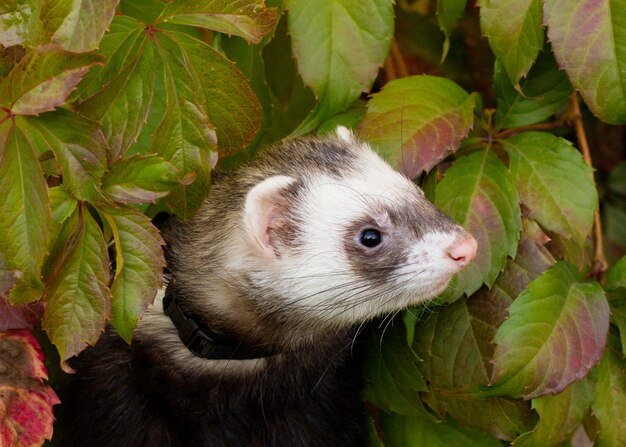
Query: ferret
x=267, y=287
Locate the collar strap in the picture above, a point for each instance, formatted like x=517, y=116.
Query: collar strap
x=205, y=343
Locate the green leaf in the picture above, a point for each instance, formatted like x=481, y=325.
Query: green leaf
x=448, y=14
x=560, y=416
x=416, y=122
x=392, y=377
x=25, y=216
x=77, y=25
x=616, y=278
x=339, y=46
x=15, y=21
x=554, y=183
x=546, y=91
x=618, y=318
x=590, y=33
x=43, y=80
x=78, y=147
x=249, y=19
x=139, y=267
x=609, y=405
x=139, y=179
x=351, y=118
x=556, y=332
x=222, y=92
x=513, y=28
x=77, y=297
x=62, y=204
x=403, y=431
x=146, y=10
x=122, y=105
x=478, y=193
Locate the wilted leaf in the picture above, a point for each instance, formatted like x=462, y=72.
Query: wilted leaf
x=588, y=38
x=43, y=80
x=392, y=377
x=555, y=334
x=249, y=19
x=609, y=405
x=139, y=179
x=122, y=105
x=514, y=30
x=139, y=265
x=78, y=147
x=76, y=25
x=339, y=46
x=403, y=431
x=554, y=183
x=24, y=208
x=560, y=416
x=77, y=297
x=478, y=193
x=616, y=278
x=416, y=122
x=546, y=91
x=26, y=403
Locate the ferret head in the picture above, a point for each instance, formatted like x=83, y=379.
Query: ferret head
x=338, y=237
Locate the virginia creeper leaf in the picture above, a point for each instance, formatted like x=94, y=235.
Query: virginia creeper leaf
x=406, y=431
x=556, y=332
x=554, y=183
x=249, y=19
x=609, y=405
x=616, y=278
x=62, y=204
x=15, y=21
x=78, y=146
x=26, y=419
x=588, y=38
x=339, y=46
x=513, y=28
x=560, y=416
x=43, y=79
x=77, y=25
x=122, y=105
x=448, y=14
x=78, y=300
x=139, y=267
x=237, y=117
x=139, y=179
x=416, y=122
x=546, y=90
x=24, y=209
x=478, y=193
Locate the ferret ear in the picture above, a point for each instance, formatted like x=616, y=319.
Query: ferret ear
x=263, y=211
x=345, y=134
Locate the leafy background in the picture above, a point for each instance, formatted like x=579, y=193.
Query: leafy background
x=509, y=113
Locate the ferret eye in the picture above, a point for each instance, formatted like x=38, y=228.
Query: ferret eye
x=371, y=237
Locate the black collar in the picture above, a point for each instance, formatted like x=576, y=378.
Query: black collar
x=204, y=342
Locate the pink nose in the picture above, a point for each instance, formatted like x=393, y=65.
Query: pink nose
x=463, y=252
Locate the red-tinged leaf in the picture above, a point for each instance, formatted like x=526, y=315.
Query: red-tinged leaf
x=25, y=402
x=554, y=183
x=249, y=19
x=339, y=46
x=555, y=334
x=140, y=264
x=77, y=298
x=43, y=80
x=560, y=416
x=478, y=193
x=139, y=179
x=416, y=122
x=24, y=208
x=122, y=105
x=77, y=26
x=78, y=147
x=236, y=117
x=15, y=317
x=514, y=30
x=588, y=38
x=609, y=405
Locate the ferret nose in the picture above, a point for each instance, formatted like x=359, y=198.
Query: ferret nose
x=463, y=252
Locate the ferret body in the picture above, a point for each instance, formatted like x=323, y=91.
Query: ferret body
x=288, y=256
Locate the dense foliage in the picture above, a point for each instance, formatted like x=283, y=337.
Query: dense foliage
x=111, y=111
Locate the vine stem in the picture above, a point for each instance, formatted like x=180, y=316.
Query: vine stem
x=600, y=264
x=541, y=126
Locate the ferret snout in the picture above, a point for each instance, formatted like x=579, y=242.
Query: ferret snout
x=463, y=251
